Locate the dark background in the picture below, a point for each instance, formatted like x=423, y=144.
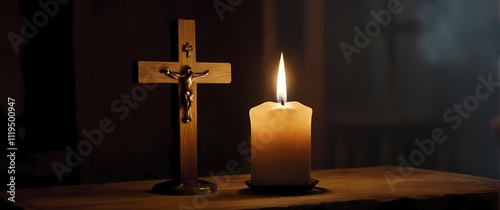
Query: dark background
x=369, y=112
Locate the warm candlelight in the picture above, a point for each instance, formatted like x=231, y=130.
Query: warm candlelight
x=281, y=139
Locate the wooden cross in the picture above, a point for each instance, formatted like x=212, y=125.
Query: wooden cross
x=187, y=73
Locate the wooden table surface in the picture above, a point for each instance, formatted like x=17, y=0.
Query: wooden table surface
x=341, y=187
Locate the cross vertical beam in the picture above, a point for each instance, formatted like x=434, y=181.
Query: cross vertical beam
x=188, y=131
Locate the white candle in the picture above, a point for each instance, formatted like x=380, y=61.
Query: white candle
x=281, y=140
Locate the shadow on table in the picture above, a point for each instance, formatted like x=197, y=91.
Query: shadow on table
x=313, y=191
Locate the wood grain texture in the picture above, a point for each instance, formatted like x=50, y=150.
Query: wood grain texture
x=189, y=140
x=336, y=187
x=219, y=72
x=149, y=71
x=187, y=33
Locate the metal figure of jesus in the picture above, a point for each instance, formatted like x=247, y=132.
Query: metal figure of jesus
x=187, y=81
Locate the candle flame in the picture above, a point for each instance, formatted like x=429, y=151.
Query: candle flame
x=281, y=85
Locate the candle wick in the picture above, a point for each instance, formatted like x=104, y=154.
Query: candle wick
x=282, y=102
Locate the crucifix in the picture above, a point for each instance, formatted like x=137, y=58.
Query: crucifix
x=186, y=73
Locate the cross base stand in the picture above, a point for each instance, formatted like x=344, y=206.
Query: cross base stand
x=192, y=187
